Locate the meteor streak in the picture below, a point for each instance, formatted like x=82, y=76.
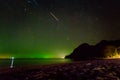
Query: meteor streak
x=54, y=16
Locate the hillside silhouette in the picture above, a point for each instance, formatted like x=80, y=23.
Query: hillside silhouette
x=103, y=49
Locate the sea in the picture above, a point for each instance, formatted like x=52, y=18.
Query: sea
x=31, y=62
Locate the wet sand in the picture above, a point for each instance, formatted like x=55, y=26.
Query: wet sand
x=107, y=69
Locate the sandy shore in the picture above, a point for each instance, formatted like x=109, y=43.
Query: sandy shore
x=81, y=70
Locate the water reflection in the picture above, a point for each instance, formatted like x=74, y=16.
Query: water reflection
x=25, y=62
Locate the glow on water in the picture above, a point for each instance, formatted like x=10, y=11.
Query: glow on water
x=4, y=56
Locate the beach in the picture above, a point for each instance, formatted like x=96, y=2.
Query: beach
x=102, y=69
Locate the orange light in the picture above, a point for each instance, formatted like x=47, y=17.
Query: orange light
x=4, y=56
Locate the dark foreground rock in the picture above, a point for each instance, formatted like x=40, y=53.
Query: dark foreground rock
x=82, y=70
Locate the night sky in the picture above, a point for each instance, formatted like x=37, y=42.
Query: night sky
x=53, y=28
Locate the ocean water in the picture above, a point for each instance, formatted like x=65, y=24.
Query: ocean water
x=30, y=62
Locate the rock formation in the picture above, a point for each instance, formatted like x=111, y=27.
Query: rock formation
x=103, y=49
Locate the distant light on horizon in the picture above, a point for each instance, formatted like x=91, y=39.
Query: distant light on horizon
x=4, y=56
x=63, y=57
x=116, y=56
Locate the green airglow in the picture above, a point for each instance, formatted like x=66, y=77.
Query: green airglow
x=54, y=54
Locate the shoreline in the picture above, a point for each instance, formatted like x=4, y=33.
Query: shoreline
x=79, y=70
